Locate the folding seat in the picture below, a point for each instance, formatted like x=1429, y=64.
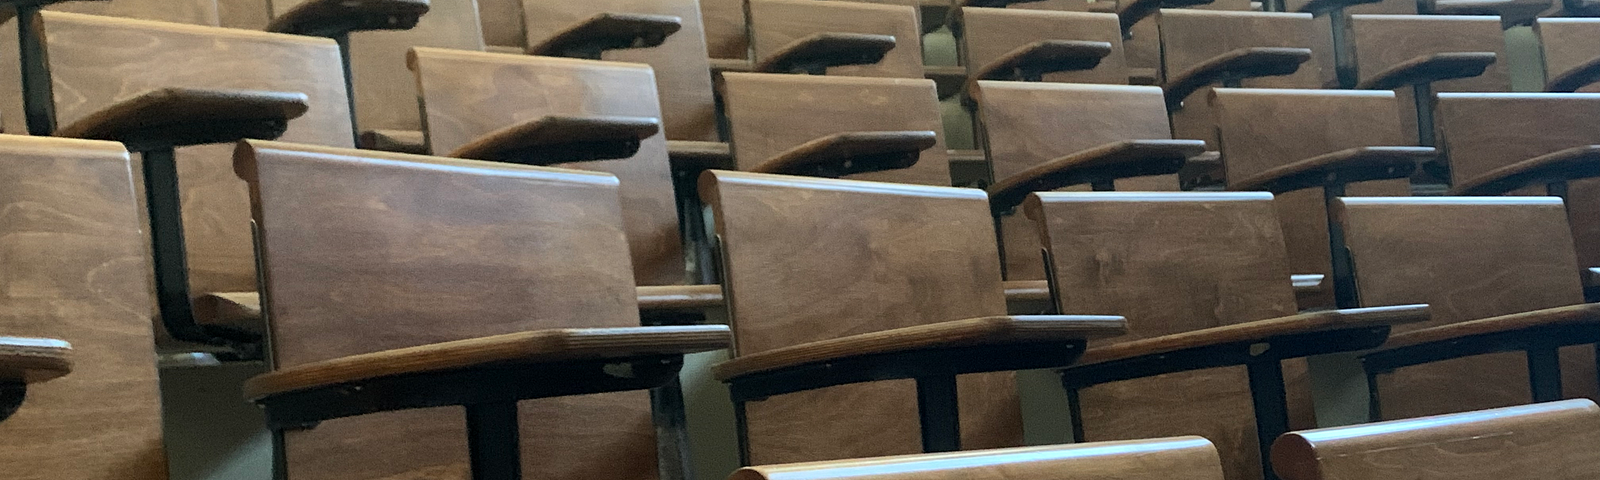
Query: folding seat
x=840, y=291
x=1185, y=457
x=399, y=286
x=1569, y=65
x=1420, y=55
x=75, y=272
x=1548, y=440
x=835, y=38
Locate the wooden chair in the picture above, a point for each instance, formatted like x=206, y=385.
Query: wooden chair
x=1040, y=45
x=835, y=38
x=1188, y=457
x=633, y=31
x=1547, y=440
x=832, y=283
x=75, y=272
x=1202, y=48
x=1500, y=274
x=1420, y=55
x=1215, y=347
x=408, y=313
x=197, y=12
x=1568, y=66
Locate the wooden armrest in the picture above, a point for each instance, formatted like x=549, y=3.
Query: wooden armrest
x=1042, y=57
x=1511, y=12
x=958, y=333
x=1172, y=457
x=1132, y=11
x=1307, y=284
x=1261, y=330
x=1576, y=78
x=1570, y=164
x=1571, y=314
x=680, y=297
x=1430, y=68
x=1128, y=158
x=849, y=153
x=1238, y=63
x=1345, y=166
x=175, y=117
x=34, y=360
x=398, y=141
x=690, y=156
x=609, y=31
x=1319, y=7
x=541, y=346
x=560, y=139
x=814, y=53
x=329, y=18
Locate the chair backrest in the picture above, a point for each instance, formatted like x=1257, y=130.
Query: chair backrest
x=385, y=92
x=1564, y=43
x=469, y=94
x=1191, y=37
x=989, y=33
x=197, y=12
x=502, y=24
x=89, y=76
x=771, y=113
x=775, y=24
x=1261, y=129
x=682, y=69
x=1173, y=262
x=1548, y=440
x=1189, y=457
x=808, y=259
x=1379, y=42
x=1468, y=258
x=1144, y=44
x=76, y=269
x=367, y=251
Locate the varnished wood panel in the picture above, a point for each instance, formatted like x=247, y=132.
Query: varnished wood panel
x=989, y=33
x=811, y=259
x=727, y=34
x=76, y=267
x=777, y=23
x=1189, y=457
x=1470, y=258
x=1144, y=42
x=1190, y=37
x=1265, y=128
x=682, y=71
x=366, y=251
x=771, y=113
x=502, y=23
x=1170, y=263
x=196, y=12
x=469, y=94
x=245, y=14
x=1549, y=440
x=98, y=61
x=1381, y=41
x=1565, y=43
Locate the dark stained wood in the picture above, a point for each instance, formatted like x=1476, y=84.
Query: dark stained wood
x=775, y=24
x=1588, y=313
x=816, y=53
x=1567, y=63
x=1470, y=258
x=1042, y=57
x=185, y=116
x=664, y=297
x=1548, y=440
x=1565, y=165
x=1310, y=322
x=989, y=33
x=1124, y=159
x=795, y=273
x=772, y=113
x=1381, y=42
x=1426, y=69
x=441, y=270
x=34, y=360
x=333, y=17
x=849, y=153
x=558, y=139
x=1191, y=38
x=77, y=270
x=608, y=31
x=1174, y=262
x=1248, y=62
x=1358, y=162
x=470, y=94
x=1187, y=457
x=682, y=73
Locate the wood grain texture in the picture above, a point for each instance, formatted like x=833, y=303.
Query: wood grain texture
x=76, y=268
x=1587, y=313
x=469, y=94
x=1380, y=41
x=1186, y=457
x=1173, y=263
x=34, y=360
x=194, y=12
x=1191, y=37
x=771, y=113
x=1311, y=123
x=776, y=23
x=1502, y=255
x=369, y=251
x=100, y=61
x=908, y=255
x=1547, y=440
x=682, y=73
x=1310, y=322
x=1562, y=41
x=989, y=33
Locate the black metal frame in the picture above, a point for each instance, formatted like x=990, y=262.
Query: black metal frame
x=489, y=393
x=1263, y=359
x=12, y=394
x=38, y=100
x=934, y=370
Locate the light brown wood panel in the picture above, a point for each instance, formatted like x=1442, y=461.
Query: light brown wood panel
x=682, y=72
x=502, y=23
x=1565, y=43
x=810, y=259
x=1549, y=440
x=1378, y=42
x=246, y=14
x=367, y=251
x=771, y=113
x=196, y=12
x=989, y=33
x=1188, y=457
x=76, y=268
x=775, y=24
x=1262, y=129
x=1190, y=37
x=470, y=94
x=1174, y=262
x=98, y=61
x=1470, y=258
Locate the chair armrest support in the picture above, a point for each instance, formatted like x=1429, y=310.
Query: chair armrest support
x=609, y=31
x=332, y=18
x=1125, y=159
x=398, y=141
x=560, y=139
x=1430, y=68
x=1338, y=168
x=692, y=156
x=814, y=53
x=1562, y=166
x=849, y=153
x=175, y=117
x=1029, y=62
x=1236, y=64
